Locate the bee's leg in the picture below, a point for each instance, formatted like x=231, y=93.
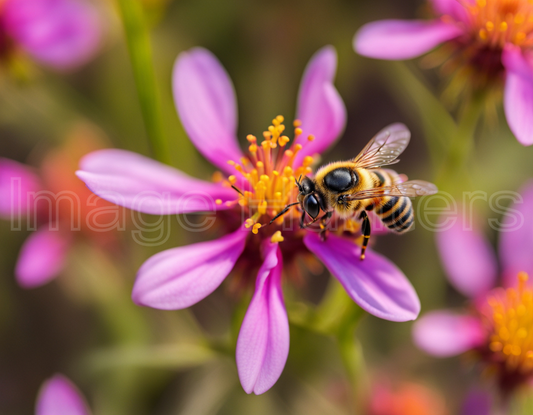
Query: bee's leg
x=323, y=223
x=365, y=228
x=302, y=219
x=305, y=225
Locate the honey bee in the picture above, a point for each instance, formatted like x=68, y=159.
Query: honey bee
x=360, y=185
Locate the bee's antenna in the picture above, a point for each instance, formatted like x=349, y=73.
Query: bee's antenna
x=297, y=181
x=283, y=212
x=237, y=190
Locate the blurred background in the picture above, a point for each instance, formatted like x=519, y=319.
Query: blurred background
x=132, y=360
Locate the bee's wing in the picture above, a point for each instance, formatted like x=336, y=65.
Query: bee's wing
x=384, y=148
x=411, y=188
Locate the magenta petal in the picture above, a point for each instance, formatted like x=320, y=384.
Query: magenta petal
x=16, y=182
x=467, y=257
x=41, y=258
x=402, y=39
x=376, y=284
x=516, y=237
x=263, y=343
x=444, y=334
x=320, y=107
x=142, y=184
x=180, y=277
x=453, y=8
x=59, y=396
x=60, y=33
x=205, y=100
x=518, y=94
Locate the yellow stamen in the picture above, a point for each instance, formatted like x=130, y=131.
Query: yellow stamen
x=512, y=318
x=283, y=140
x=217, y=177
x=308, y=160
x=276, y=237
x=499, y=22
x=270, y=172
x=262, y=208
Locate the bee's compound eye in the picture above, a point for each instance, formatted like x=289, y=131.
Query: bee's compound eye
x=311, y=206
x=340, y=180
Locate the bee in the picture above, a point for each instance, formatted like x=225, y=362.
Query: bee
x=357, y=186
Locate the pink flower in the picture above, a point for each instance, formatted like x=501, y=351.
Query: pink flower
x=265, y=180
x=492, y=39
x=62, y=34
x=497, y=327
x=53, y=201
x=59, y=396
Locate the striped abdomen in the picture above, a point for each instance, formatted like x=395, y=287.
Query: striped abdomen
x=395, y=212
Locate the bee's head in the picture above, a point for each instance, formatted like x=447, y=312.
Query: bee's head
x=309, y=199
x=305, y=186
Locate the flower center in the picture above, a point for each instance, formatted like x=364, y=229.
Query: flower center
x=502, y=21
x=512, y=325
x=266, y=179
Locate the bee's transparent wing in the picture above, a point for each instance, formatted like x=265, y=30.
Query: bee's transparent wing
x=384, y=148
x=411, y=188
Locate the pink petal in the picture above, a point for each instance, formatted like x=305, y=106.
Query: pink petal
x=180, y=277
x=320, y=107
x=402, y=39
x=444, y=334
x=518, y=94
x=59, y=396
x=206, y=104
x=375, y=283
x=263, y=343
x=467, y=256
x=452, y=8
x=142, y=184
x=516, y=237
x=60, y=33
x=16, y=181
x=41, y=258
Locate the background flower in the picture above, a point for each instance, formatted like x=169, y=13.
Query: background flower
x=55, y=204
x=62, y=34
x=492, y=42
x=496, y=327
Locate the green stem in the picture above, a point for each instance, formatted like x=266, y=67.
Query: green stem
x=352, y=355
x=408, y=88
x=460, y=146
x=140, y=51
